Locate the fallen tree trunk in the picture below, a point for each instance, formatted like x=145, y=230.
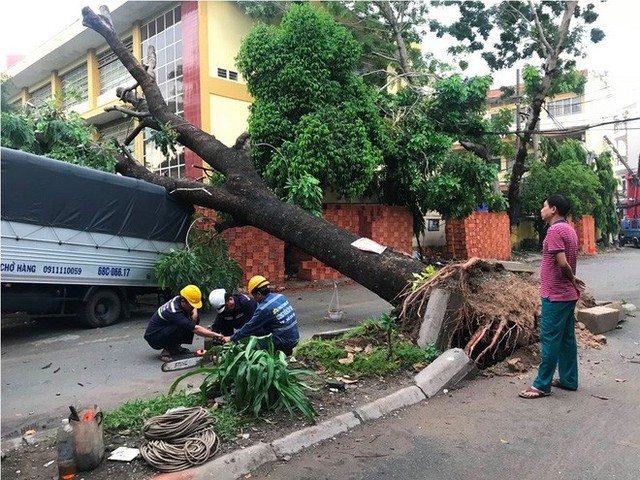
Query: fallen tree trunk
x=245, y=196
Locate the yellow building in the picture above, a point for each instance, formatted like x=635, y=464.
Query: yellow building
x=195, y=43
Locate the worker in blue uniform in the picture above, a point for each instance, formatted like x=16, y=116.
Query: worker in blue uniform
x=274, y=316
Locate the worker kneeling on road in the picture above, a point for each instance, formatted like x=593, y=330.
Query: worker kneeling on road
x=274, y=316
x=233, y=311
x=175, y=323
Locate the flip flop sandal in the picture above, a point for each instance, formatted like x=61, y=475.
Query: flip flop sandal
x=532, y=392
x=556, y=383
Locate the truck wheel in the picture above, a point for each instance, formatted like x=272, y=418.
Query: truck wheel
x=621, y=241
x=101, y=309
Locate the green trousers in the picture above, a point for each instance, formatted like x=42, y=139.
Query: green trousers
x=558, y=345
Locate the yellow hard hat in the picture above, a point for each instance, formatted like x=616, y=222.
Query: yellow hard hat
x=256, y=282
x=192, y=294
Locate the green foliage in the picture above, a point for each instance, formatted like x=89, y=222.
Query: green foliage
x=205, y=262
x=325, y=354
x=5, y=86
x=325, y=123
x=165, y=139
x=518, y=37
x=605, y=215
x=463, y=183
x=255, y=379
x=133, y=413
x=375, y=26
x=51, y=131
x=306, y=193
x=571, y=178
x=422, y=277
x=564, y=170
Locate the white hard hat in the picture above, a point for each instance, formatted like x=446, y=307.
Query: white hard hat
x=216, y=299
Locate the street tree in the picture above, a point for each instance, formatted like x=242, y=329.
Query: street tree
x=243, y=194
x=563, y=168
x=551, y=33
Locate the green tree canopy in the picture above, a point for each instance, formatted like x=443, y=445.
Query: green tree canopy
x=564, y=170
x=54, y=132
x=311, y=117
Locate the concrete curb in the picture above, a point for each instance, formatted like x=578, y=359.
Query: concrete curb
x=449, y=368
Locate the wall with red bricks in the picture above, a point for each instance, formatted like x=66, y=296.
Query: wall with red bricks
x=260, y=253
x=257, y=252
x=482, y=234
x=586, y=230
x=387, y=225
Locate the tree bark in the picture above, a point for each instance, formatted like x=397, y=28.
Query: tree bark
x=245, y=196
x=550, y=64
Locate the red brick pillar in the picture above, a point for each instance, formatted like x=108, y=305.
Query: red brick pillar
x=481, y=234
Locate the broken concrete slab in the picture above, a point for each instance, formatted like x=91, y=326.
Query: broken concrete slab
x=617, y=306
x=433, y=317
x=599, y=319
x=517, y=267
x=446, y=370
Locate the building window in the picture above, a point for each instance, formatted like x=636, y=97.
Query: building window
x=118, y=129
x=227, y=74
x=75, y=82
x=40, y=96
x=566, y=106
x=433, y=225
x=111, y=70
x=165, y=34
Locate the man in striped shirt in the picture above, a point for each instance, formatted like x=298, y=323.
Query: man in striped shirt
x=560, y=290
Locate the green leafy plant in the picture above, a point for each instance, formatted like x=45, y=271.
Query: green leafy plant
x=52, y=131
x=204, y=262
x=133, y=413
x=325, y=354
x=388, y=324
x=255, y=379
x=422, y=277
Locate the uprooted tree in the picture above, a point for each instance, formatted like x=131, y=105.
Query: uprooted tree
x=243, y=195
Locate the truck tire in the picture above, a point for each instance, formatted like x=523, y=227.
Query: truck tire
x=101, y=309
x=621, y=241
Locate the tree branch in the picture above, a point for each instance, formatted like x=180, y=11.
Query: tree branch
x=543, y=39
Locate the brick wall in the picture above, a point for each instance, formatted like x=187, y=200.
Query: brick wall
x=482, y=234
x=260, y=253
x=387, y=225
x=257, y=252
x=586, y=230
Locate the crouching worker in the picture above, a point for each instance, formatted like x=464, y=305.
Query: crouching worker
x=274, y=316
x=175, y=323
x=233, y=311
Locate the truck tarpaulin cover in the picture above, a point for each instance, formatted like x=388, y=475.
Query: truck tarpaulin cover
x=41, y=191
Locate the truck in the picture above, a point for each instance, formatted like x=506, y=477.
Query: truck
x=81, y=242
x=630, y=222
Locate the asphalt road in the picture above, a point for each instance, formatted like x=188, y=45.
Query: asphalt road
x=49, y=365
x=52, y=363
x=485, y=431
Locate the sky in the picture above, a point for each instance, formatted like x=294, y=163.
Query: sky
x=25, y=24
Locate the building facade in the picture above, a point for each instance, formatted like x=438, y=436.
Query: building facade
x=195, y=44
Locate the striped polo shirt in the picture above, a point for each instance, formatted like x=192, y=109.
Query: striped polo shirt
x=561, y=237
